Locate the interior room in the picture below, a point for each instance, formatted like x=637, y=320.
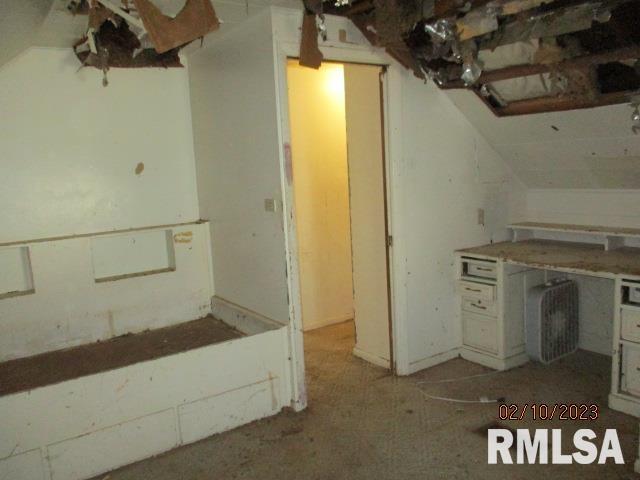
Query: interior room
x=319, y=239
x=339, y=182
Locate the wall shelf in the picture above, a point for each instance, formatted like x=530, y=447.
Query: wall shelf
x=610, y=238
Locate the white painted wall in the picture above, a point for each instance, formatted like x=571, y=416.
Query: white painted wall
x=321, y=184
x=615, y=208
x=70, y=148
x=588, y=149
x=443, y=170
x=72, y=154
x=448, y=172
x=68, y=307
x=237, y=155
x=19, y=25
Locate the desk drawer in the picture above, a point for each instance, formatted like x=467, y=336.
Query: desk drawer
x=630, y=324
x=477, y=290
x=479, y=331
x=631, y=370
x=634, y=294
x=480, y=306
x=484, y=269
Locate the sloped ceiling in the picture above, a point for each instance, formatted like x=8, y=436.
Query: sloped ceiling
x=20, y=21
x=579, y=149
x=48, y=23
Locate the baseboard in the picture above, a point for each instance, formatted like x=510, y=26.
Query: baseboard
x=431, y=361
x=622, y=403
x=247, y=321
x=368, y=357
x=595, y=343
x=325, y=322
x=494, y=362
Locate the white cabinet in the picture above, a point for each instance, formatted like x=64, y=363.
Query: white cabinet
x=491, y=307
x=630, y=378
x=630, y=324
x=480, y=331
x=625, y=370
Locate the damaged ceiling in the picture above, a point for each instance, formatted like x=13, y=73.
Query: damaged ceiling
x=137, y=33
x=518, y=56
x=50, y=23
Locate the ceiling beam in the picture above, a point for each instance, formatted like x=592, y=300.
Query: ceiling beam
x=399, y=52
x=576, y=63
x=558, y=104
x=447, y=8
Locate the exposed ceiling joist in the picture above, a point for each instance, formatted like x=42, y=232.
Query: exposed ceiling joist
x=583, y=52
x=557, y=104
x=525, y=70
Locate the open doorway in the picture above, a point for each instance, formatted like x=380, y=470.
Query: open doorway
x=339, y=184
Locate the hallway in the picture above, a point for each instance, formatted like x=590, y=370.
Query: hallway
x=363, y=423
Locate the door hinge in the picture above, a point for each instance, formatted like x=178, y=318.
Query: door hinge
x=389, y=240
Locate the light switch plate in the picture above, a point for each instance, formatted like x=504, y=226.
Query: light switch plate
x=270, y=205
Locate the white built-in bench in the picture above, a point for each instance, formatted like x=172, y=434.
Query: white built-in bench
x=134, y=397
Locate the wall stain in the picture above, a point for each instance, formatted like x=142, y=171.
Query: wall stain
x=183, y=237
x=139, y=168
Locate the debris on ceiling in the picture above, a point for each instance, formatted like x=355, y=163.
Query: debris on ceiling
x=136, y=34
x=518, y=56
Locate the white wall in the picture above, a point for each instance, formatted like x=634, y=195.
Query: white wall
x=615, y=208
x=321, y=184
x=237, y=155
x=80, y=159
x=70, y=148
x=19, y=24
x=586, y=170
x=579, y=149
x=69, y=307
x=449, y=171
x=443, y=171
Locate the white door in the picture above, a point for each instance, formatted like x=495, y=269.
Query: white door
x=368, y=217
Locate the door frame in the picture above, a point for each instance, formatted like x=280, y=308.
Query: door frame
x=392, y=114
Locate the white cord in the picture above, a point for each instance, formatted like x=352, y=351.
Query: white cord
x=448, y=380
x=459, y=400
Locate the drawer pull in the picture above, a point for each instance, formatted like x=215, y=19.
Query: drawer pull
x=484, y=269
x=472, y=290
x=479, y=306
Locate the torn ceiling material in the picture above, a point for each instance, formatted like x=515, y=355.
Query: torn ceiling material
x=519, y=56
x=136, y=34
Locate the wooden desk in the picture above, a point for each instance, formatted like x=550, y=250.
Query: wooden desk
x=494, y=280
x=582, y=258
x=493, y=285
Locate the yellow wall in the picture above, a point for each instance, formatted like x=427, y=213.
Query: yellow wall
x=321, y=185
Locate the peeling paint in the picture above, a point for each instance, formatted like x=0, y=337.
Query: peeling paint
x=183, y=237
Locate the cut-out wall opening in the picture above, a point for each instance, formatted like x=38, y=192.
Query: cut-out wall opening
x=16, y=277
x=130, y=255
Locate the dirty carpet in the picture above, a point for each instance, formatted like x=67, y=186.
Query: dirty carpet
x=363, y=423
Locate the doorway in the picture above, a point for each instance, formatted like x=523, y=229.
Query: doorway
x=339, y=185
